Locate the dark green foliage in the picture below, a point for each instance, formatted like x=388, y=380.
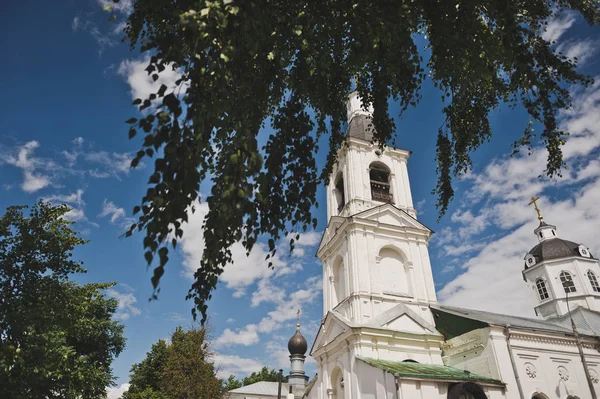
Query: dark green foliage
x=264, y=374
x=145, y=376
x=246, y=63
x=230, y=383
x=57, y=338
x=182, y=369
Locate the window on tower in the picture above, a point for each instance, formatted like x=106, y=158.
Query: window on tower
x=379, y=175
x=541, y=288
x=567, y=282
x=340, y=196
x=593, y=281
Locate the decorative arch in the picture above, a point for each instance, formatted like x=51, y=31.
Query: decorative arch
x=339, y=193
x=567, y=282
x=394, y=277
x=542, y=290
x=337, y=383
x=593, y=279
x=379, y=176
x=466, y=390
x=539, y=395
x=338, y=280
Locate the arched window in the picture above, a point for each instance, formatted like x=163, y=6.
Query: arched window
x=541, y=288
x=340, y=195
x=539, y=396
x=466, y=390
x=379, y=175
x=339, y=281
x=567, y=282
x=593, y=281
x=409, y=361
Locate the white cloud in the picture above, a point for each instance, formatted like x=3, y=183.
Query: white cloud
x=85, y=24
x=245, y=271
x=233, y=364
x=75, y=202
x=274, y=320
x=504, y=225
x=126, y=304
x=142, y=84
x=581, y=50
x=116, y=214
x=114, y=163
x=558, y=26
x=117, y=392
x=33, y=179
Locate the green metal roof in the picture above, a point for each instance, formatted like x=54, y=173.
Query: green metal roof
x=432, y=371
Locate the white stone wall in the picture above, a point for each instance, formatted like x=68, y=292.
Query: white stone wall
x=546, y=363
x=549, y=271
x=370, y=288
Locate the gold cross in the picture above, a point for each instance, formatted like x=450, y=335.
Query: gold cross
x=534, y=202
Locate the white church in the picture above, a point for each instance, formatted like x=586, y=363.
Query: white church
x=384, y=335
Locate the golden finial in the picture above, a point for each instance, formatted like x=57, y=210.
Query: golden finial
x=534, y=202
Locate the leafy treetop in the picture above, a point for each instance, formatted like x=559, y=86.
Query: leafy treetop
x=57, y=338
x=246, y=63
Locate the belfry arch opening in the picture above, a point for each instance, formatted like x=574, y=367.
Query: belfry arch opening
x=379, y=175
x=339, y=194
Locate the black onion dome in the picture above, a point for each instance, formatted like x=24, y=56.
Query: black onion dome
x=297, y=345
x=554, y=248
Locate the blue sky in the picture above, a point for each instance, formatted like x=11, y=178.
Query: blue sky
x=67, y=85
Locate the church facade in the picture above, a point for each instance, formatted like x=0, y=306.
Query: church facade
x=383, y=333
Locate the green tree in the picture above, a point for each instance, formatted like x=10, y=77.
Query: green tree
x=246, y=63
x=145, y=376
x=231, y=383
x=57, y=338
x=188, y=372
x=180, y=370
x=264, y=374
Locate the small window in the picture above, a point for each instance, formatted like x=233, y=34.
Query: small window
x=593, y=281
x=583, y=251
x=567, y=282
x=541, y=288
x=541, y=235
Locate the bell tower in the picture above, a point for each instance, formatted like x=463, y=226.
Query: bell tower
x=374, y=251
x=365, y=176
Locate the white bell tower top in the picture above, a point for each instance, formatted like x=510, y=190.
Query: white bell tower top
x=366, y=176
x=355, y=107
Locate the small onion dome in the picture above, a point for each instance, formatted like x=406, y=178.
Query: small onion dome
x=297, y=345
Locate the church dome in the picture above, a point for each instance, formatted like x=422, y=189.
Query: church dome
x=297, y=345
x=554, y=248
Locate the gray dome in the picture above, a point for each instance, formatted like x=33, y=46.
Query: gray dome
x=297, y=345
x=361, y=127
x=554, y=248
